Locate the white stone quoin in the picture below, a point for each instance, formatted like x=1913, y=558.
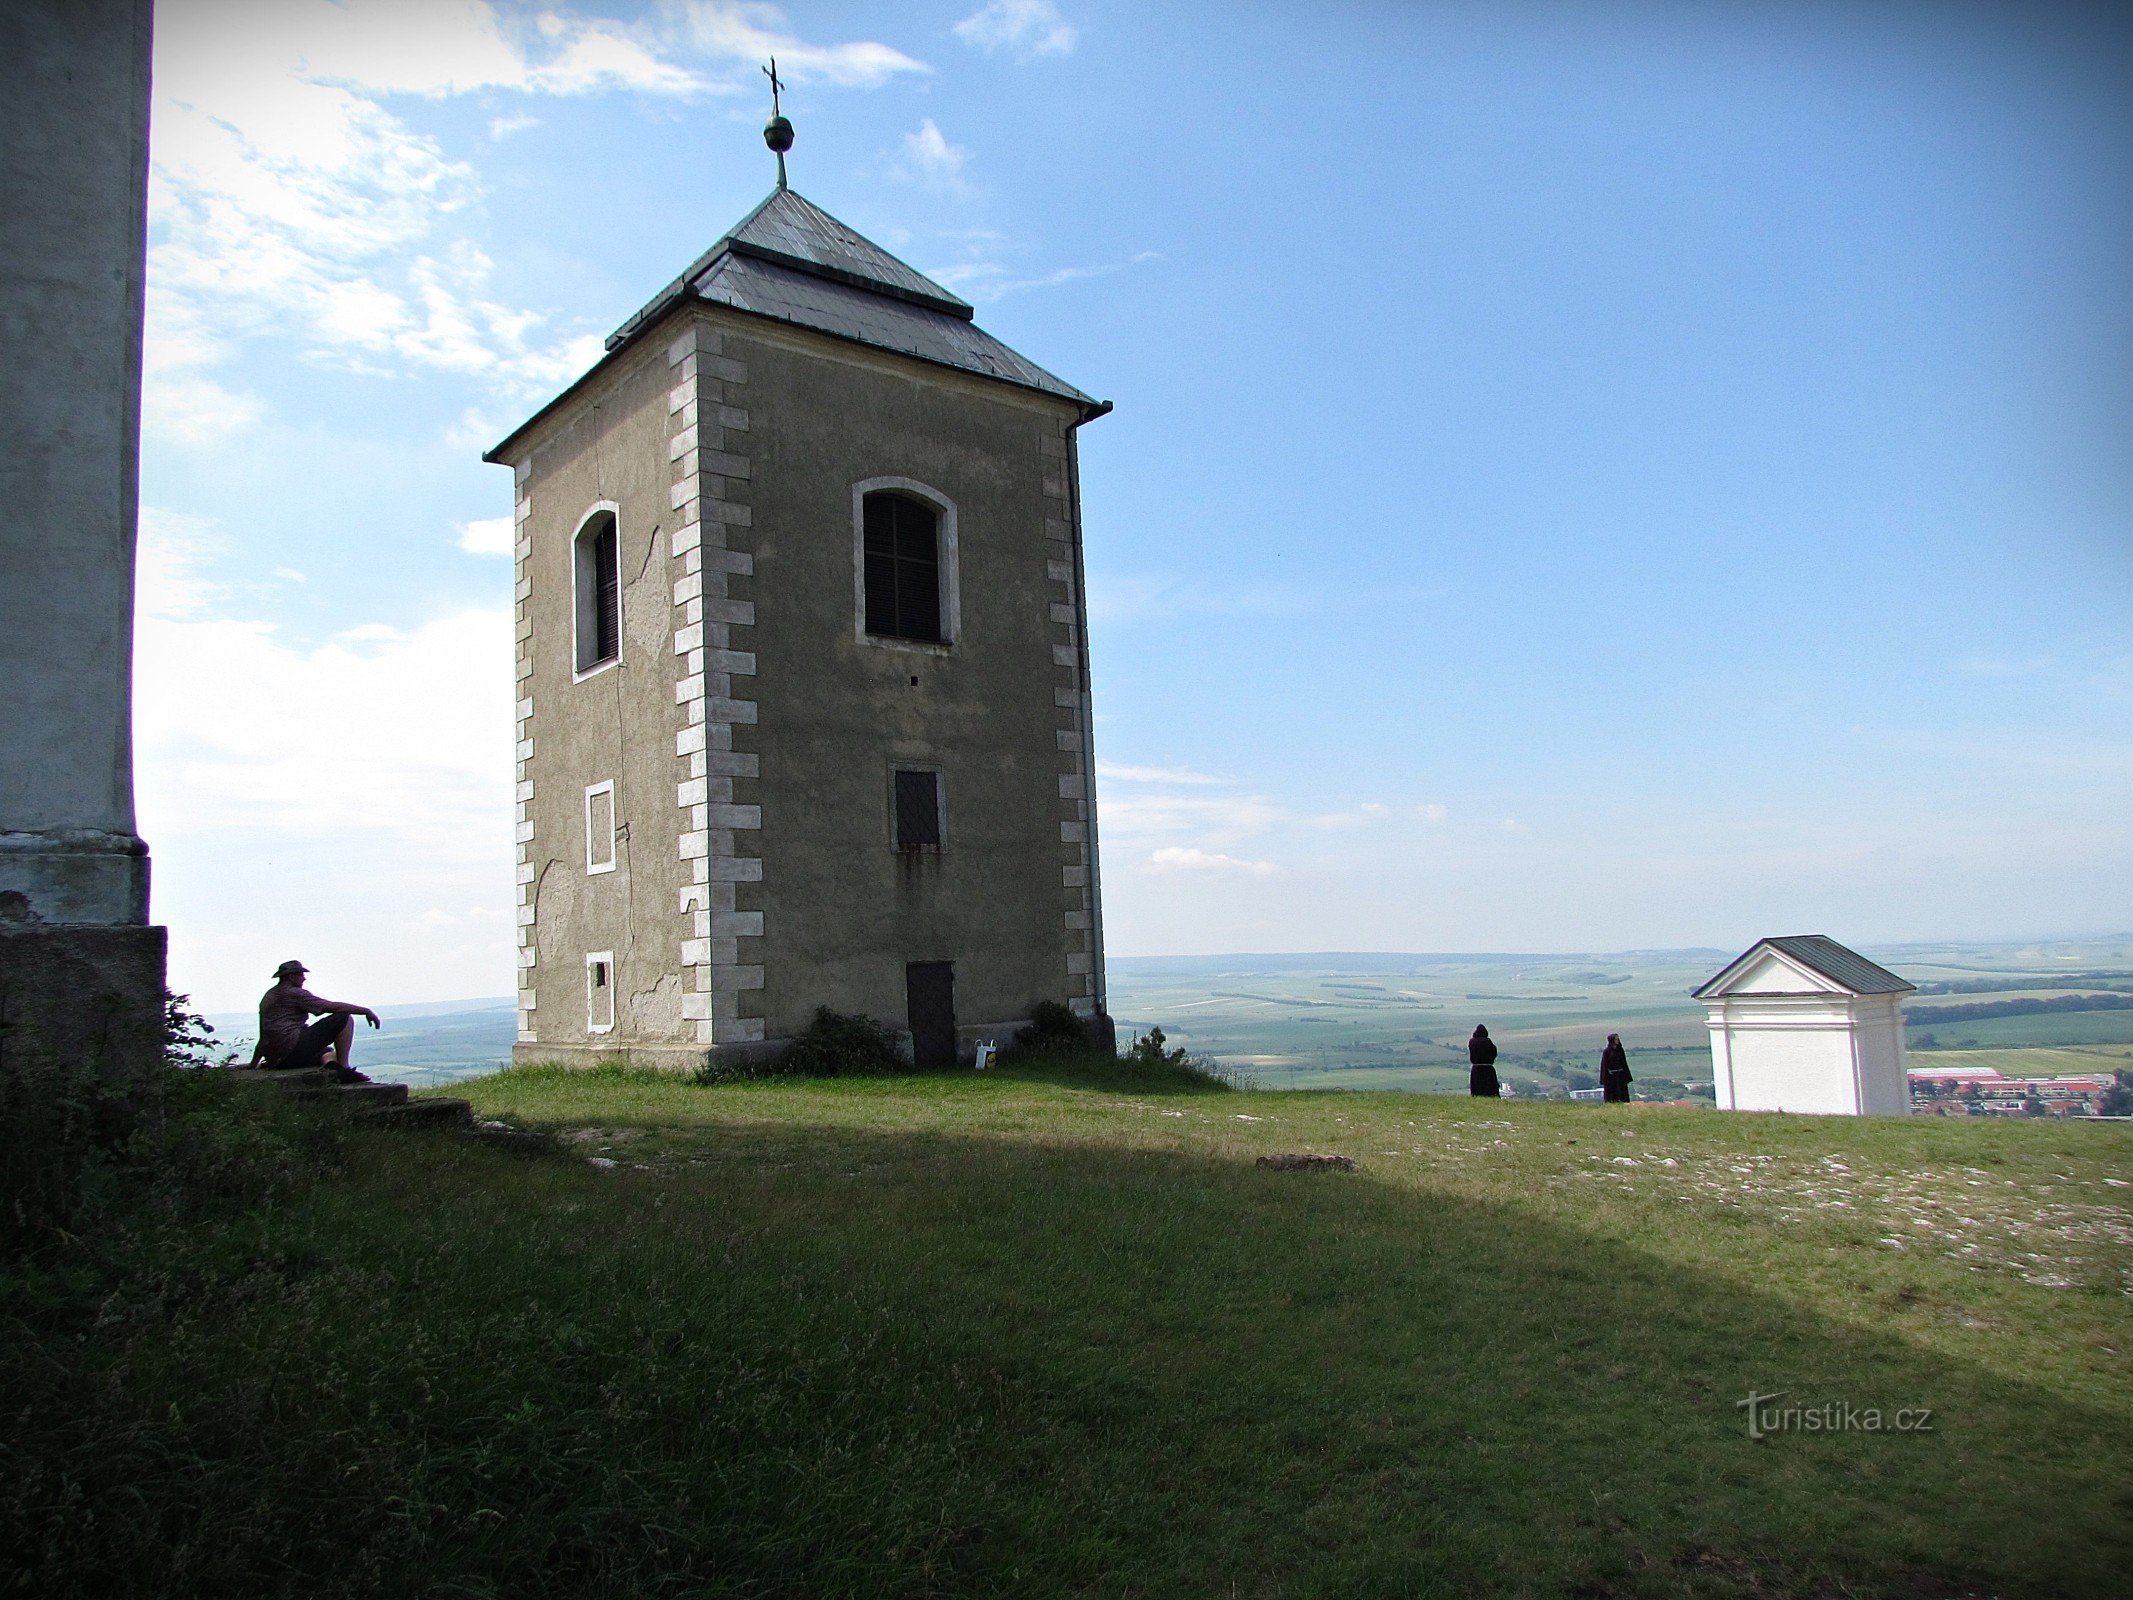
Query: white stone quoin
x=1802, y=1024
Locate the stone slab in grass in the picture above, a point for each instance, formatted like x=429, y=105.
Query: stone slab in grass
x=1306, y=1163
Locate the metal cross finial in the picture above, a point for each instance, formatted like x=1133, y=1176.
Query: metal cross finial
x=777, y=132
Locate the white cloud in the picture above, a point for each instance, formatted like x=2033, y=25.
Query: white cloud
x=1117, y=600
x=750, y=34
x=1432, y=813
x=169, y=551
x=1149, y=817
x=315, y=800
x=1513, y=825
x=1111, y=770
x=382, y=748
x=993, y=280
x=501, y=128
x=288, y=201
x=475, y=431
x=487, y=536
x=1024, y=28
x=1184, y=858
x=194, y=410
x=604, y=55
x=377, y=732
x=432, y=48
x=929, y=158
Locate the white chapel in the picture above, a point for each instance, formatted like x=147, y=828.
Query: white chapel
x=1800, y=1023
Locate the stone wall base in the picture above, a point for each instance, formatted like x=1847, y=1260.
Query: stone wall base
x=687, y=1058
x=84, y=994
x=658, y=1057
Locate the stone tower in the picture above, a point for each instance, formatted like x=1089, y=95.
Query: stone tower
x=803, y=686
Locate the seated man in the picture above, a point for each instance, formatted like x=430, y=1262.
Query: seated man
x=286, y=1040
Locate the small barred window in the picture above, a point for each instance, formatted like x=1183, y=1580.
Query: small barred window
x=918, y=810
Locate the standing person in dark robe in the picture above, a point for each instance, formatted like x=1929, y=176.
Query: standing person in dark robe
x=1481, y=1051
x=1614, y=1070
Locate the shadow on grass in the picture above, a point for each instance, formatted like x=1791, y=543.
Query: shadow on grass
x=839, y=1362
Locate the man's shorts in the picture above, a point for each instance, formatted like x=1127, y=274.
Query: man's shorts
x=310, y=1047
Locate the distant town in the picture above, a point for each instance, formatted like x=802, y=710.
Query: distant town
x=1981, y=1092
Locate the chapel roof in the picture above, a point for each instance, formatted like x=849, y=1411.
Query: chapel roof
x=1818, y=953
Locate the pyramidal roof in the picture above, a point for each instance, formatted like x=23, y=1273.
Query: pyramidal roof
x=795, y=232
x=790, y=260
x=1818, y=953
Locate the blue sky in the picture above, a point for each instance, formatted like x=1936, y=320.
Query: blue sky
x=1596, y=476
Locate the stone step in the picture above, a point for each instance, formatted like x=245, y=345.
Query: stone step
x=386, y=1102
x=359, y=1096
x=424, y=1113
x=298, y=1078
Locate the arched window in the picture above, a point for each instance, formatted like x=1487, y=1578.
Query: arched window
x=902, y=552
x=597, y=564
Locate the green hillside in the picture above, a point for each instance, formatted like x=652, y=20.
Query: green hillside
x=1023, y=1335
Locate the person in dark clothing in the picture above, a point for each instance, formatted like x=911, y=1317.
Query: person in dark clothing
x=1614, y=1070
x=286, y=1040
x=1481, y=1051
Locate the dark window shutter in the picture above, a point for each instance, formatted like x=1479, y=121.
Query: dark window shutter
x=881, y=595
x=880, y=525
x=918, y=810
x=607, y=585
x=918, y=599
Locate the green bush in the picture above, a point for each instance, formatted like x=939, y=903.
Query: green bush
x=834, y=1046
x=1052, y=1030
x=189, y=1041
x=75, y=1141
x=1148, y=1051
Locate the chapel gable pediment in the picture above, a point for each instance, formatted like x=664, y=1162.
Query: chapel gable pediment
x=1801, y=964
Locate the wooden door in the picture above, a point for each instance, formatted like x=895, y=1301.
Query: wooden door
x=929, y=1000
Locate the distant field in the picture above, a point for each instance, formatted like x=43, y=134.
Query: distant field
x=2039, y=1063
x=2060, y=1028
x=1383, y=1021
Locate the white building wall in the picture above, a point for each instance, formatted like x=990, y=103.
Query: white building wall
x=1884, y=1078
x=1816, y=1054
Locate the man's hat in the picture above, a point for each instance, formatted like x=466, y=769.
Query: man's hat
x=288, y=967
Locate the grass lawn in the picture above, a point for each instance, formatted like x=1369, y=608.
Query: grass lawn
x=1034, y=1335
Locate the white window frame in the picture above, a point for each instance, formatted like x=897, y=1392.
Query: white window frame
x=940, y=806
x=577, y=595
x=951, y=566
x=594, y=959
x=594, y=868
